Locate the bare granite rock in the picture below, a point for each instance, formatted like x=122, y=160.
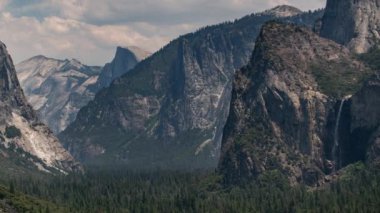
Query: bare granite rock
x=281, y=108
x=21, y=129
x=353, y=23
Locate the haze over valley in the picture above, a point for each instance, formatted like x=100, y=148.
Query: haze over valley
x=191, y=106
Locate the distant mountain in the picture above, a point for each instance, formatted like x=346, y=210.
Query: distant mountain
x=289, y=109
x=24, y=140
x=124, y=60
x=58, y=89
x=353, y=23
x=170, y=110
x=283, y=11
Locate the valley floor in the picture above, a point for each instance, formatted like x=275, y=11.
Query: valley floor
x=358, y=190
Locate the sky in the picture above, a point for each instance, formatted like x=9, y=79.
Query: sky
x=90, y=30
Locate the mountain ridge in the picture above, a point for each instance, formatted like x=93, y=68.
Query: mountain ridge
x=281, y=113
x=353, y=23
x=282, y=11
x=21, y=130
x=125, y=59
x=177, y=99
x=57, y=88
x=54, y=86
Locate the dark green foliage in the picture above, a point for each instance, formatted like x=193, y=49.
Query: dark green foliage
x=13, y=201
x=11, y=187
x=16, y=162
x=12, y=132
x=338, y=79
x=120, y=191
x=2, y=139
x=372, y=58
x=161, y=78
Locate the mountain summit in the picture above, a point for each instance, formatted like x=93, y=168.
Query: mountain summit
x=287, y=107
x=126, y=58
x=282, y=11
x=170, y=110
x=21, y=131
x=57, y=89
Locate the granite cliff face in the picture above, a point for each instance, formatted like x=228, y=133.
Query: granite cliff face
x=283, y=11
x=353, y=23
x=286, y=107
x=363, y=141
x=124, y=60
x=20, y=130
x=57, y=89
x=170, y=110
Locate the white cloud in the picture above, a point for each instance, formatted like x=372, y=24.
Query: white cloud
x=67, y=38
x=73, y=9
x=90, y=30
x=3, y=3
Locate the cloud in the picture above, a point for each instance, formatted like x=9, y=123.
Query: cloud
x=3, y=3
x=167, y=11
x=90, y=30
x=66, y=38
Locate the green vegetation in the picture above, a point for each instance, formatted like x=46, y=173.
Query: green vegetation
x=372, y=58
x=338, y=79
x=115, y=190
x=12, y=132
x=13, y=201
x=2, y=139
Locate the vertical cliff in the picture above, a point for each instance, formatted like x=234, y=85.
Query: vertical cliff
x=125, y=60
x=169, y=111
x=21, y=132
x=57, y=89
x=285, y=105
x=353, y=23
x=363, y=141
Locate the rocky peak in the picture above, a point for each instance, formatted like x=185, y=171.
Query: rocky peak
x=57, y=89
x=125, y=59
x=170, y=110
x=138, y=52
x=282, y=104
x=38, y=57
x=74, y=63
x=20, y=128
x=353, y=23
x=283, y=11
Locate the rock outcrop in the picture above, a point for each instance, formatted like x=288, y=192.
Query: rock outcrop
x=285, y=104
x=353, y=23
x=363, y=141
x=20, y=129
x=125, y=60
x=283, y=11
x=170, y=110
x=57, y=89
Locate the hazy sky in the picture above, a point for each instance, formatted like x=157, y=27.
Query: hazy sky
x=90, y=30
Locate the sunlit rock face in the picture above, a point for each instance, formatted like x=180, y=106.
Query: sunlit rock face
x=286, y=105
x=58, y=89
x=126, y=58
x=283, y=11
x=21, y=130
x=170, y=110
x=353, y=23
